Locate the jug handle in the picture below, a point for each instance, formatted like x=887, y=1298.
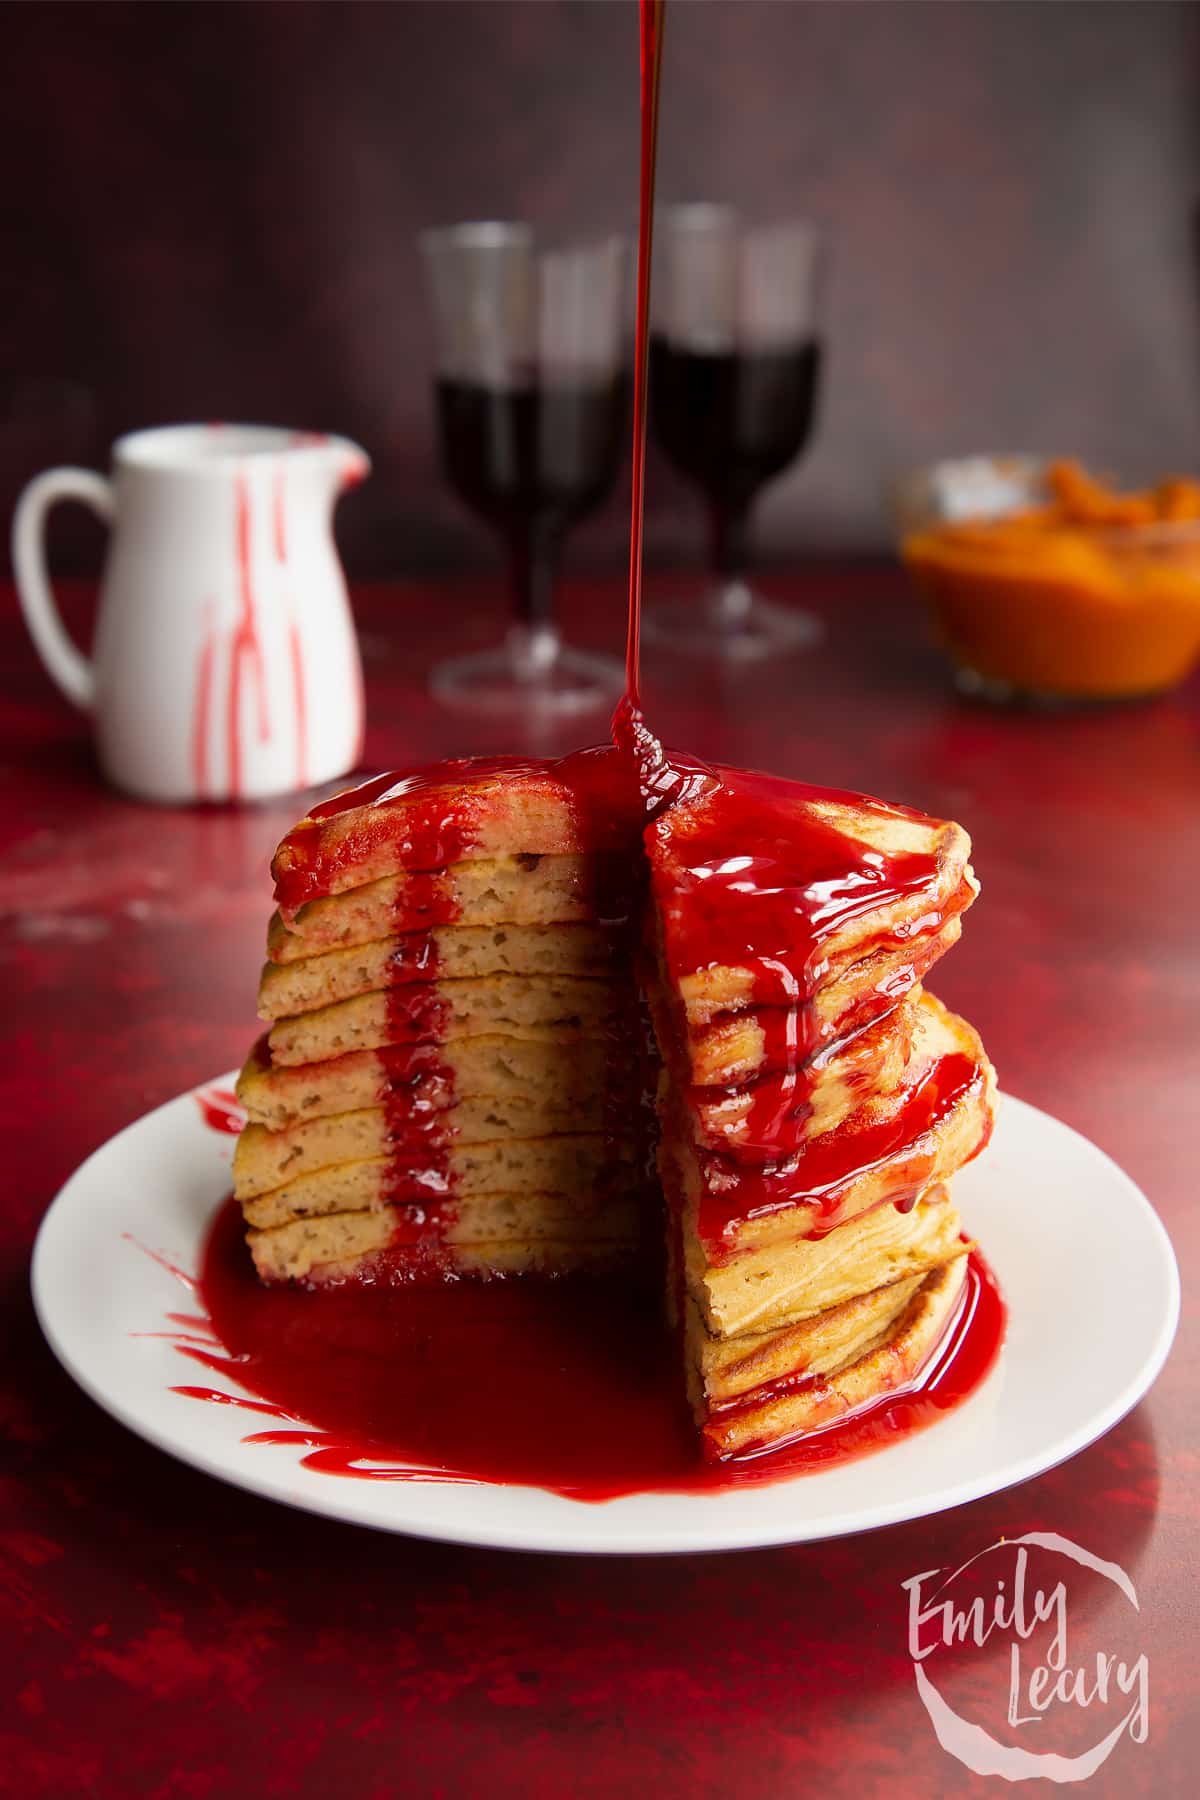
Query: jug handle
x=68, y=665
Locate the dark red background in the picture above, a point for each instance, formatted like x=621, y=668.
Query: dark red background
x=208, y=211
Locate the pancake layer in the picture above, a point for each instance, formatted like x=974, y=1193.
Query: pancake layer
x=857, y=1354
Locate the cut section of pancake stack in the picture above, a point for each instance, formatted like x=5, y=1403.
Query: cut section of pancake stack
x=815, y=1100
x=456, y=1071
x=447, y=1075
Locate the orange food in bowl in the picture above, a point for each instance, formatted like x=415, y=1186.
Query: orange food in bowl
x=1095, y=595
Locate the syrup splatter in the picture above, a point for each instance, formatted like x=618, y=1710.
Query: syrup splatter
x=220, y=1109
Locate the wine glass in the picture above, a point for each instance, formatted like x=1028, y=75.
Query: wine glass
x=734, y=367
x=532, y=400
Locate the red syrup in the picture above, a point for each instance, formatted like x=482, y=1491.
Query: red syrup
x=660, y=779
x=773, y=1133
x=420, y=1133
x=571, y=1385
x=795, y=882
x=820, y=1173
x=220, y=1109
x=430, y=817
x=164, y=1262
x=757, y=1118
x=419, y=1178
x=651, y=16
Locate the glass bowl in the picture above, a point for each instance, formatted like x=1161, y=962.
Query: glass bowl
x=1034, y=605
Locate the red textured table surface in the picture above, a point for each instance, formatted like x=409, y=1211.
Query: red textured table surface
x=168, y=1636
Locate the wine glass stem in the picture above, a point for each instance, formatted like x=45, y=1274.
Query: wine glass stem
x=728, y=534
x=534, y=577
x=533, y=641
x=728, y=524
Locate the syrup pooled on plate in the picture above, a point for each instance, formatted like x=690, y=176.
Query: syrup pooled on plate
x=571, y=1384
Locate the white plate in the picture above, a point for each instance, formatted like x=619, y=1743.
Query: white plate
x=1074, y=1243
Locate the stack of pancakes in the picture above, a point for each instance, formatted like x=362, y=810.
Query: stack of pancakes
x=815, y=1102
x=456, y=1074
x=447, y=1076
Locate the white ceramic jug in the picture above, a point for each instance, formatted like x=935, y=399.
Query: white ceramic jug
x=226, y=666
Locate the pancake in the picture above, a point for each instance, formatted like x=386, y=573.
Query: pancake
x=555, y=1010
x=856, y=1355
x=497, y=1086
x=505, y=890
x=493, y=1233
x=789, y=1282
x=355, y=1167
x=430, y=819
x=840, y=880
x=735, y=1043
x=817, y=1097
x=888, y=1148
x=449, y=952
x=727, y=1370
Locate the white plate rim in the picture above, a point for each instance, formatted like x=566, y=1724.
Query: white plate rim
x=345, y=1500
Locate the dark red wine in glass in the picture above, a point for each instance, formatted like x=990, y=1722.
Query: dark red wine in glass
x=532, y=460
x=731, y=420
x=734, y=376
x=532, y=397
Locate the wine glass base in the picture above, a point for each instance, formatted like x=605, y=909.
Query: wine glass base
x=734, y=626
x=507, y=684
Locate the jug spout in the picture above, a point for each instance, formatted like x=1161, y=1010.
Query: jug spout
x=345, y=463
